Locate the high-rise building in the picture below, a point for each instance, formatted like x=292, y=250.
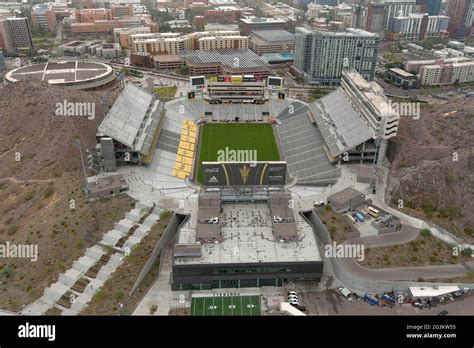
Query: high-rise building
x=43, y=16
x=432, y=7
x=2, y=61
x=461, y=14
x=397, y=8
x=15, y=33
x=418, y=26
x=321, y=55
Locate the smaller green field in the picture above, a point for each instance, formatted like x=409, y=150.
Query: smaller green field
x=226, y=306
x=165, y=92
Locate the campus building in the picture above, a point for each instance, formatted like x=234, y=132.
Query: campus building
x=15, y=33
x=243, y=253
x=320, y=56
x=122, y=36
x=271, y=41
x=44, y=16
x=261, y=23
x=108, y=26
x=401, y=78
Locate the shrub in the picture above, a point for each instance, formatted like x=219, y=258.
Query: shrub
x=425, y=232
x=165, y=214
x=28, y=196
x=12, y=229
x=467, y=252
x=153, y=309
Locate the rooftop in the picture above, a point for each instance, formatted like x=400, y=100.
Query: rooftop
x=247, y=237
x=256, y=20
x=345, y=195
x=274, y=35
x=107, y=183
x=401, y=72
x=227, y=57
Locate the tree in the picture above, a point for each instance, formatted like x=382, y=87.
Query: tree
x=165, y=28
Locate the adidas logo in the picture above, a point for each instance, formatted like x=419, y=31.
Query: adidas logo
x=213, y=180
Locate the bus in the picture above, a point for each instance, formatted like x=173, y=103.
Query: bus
x=373, y=212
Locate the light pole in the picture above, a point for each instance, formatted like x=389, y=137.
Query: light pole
x=78, y=145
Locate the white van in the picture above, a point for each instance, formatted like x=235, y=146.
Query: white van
x=346, y=293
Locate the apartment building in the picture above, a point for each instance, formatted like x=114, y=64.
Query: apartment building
x=122, y=36
x=172, y=43
x=461, y=13
x=418, y=26
x=442, y=73
x=397, y=8
x=321, y=55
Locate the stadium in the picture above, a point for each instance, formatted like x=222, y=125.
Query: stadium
x=69, y=74
x=235, y=157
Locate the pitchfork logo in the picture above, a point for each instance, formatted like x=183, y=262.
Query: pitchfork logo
x=244, y=174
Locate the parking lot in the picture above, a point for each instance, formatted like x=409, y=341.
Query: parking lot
x=331, y=302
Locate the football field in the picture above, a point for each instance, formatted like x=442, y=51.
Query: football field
x=256, y=137
x=228, y=306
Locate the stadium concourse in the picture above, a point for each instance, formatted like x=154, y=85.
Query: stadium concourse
x=299, y=141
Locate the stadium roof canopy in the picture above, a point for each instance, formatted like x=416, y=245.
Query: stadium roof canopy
x=340, y=124
x=133, y=119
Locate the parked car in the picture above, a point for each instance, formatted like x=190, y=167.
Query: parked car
x=302, y=308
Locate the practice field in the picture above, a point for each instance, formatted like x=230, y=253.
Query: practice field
x=257, y=137
x=229, y=306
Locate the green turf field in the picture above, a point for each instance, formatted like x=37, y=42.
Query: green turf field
x=229, y=306
x=237, y=136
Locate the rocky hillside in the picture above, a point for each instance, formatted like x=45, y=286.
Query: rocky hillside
x=433, y=165
x=30, y=128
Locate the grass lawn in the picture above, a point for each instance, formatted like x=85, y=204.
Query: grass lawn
x=228, y=306
x=165, y=92
x=237, y=136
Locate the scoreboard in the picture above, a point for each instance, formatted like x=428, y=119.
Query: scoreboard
x=244, y=173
